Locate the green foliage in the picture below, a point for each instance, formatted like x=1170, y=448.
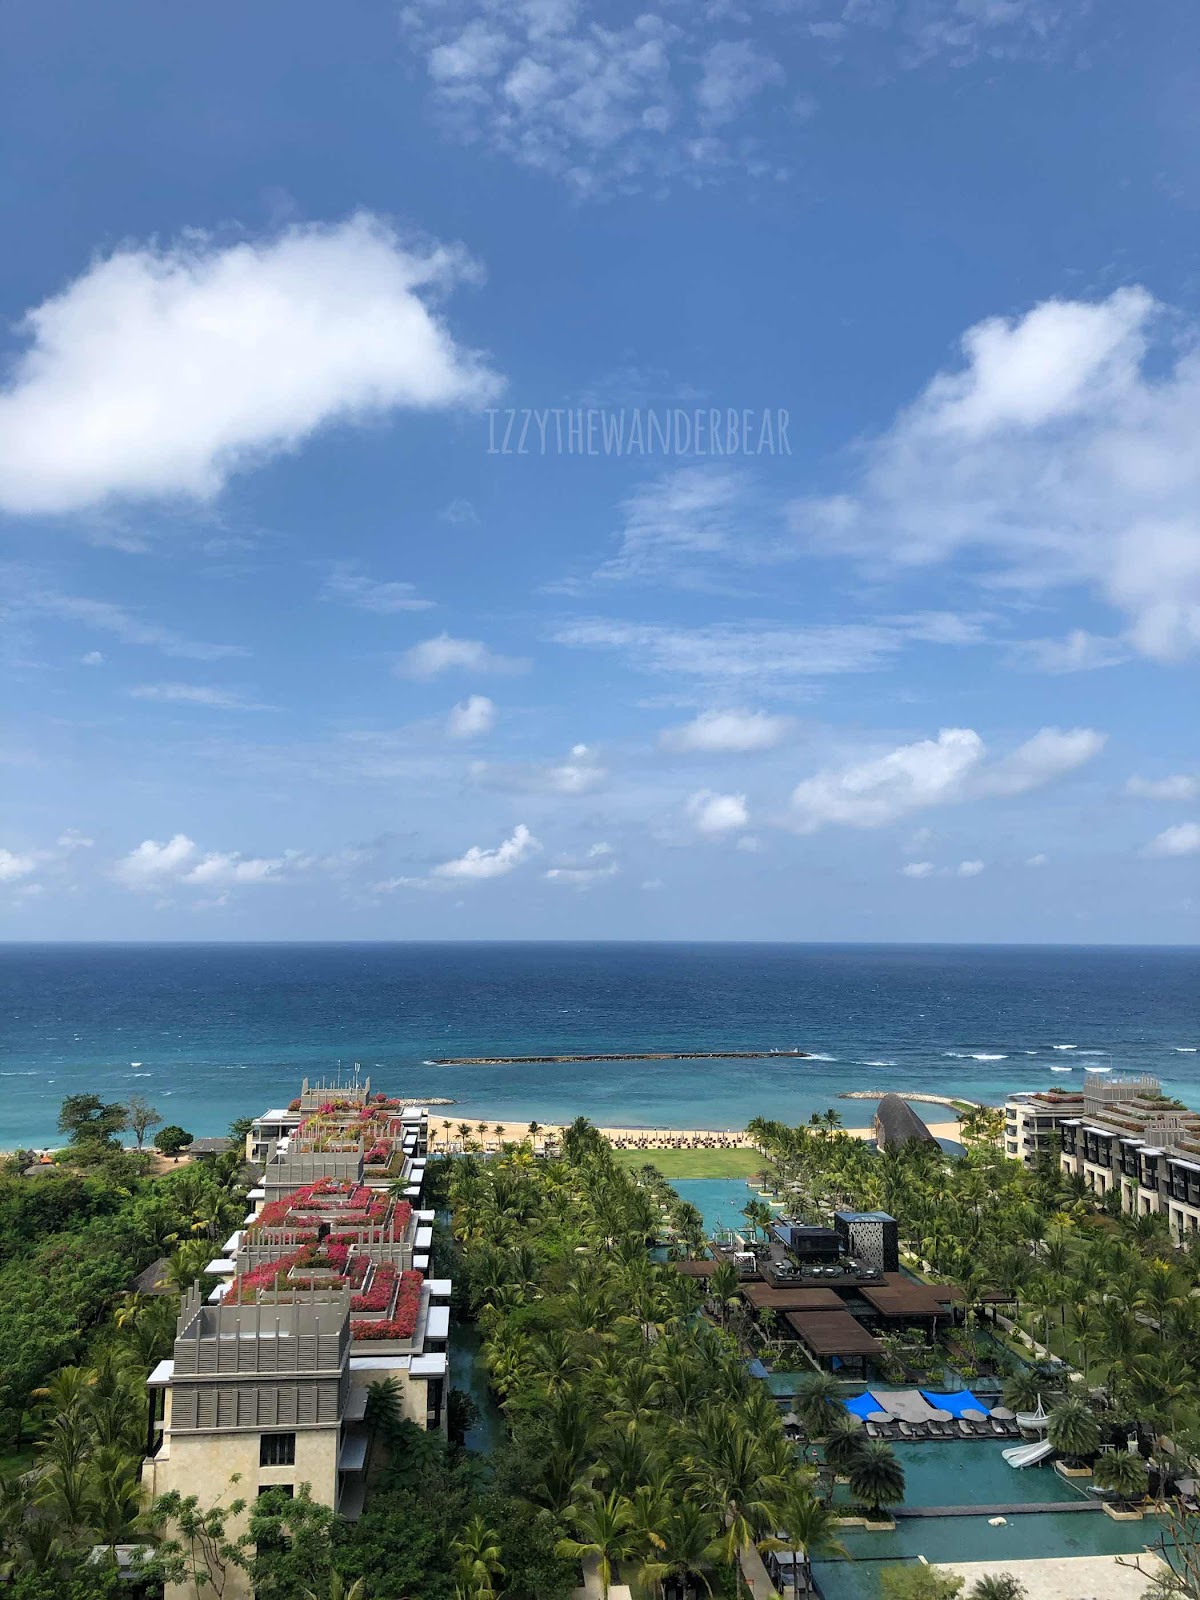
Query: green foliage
x=85, y=1119
x=997, y=1586
x=1073, y=1429
x=1123, y=1473
x=918, y=1582
x=172, y=1140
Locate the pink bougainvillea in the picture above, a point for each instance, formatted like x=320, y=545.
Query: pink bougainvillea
x=403, y=1321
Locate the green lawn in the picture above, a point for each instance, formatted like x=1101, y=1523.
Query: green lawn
x=695, y=1163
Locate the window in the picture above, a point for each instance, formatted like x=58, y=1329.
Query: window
x=277, y=1450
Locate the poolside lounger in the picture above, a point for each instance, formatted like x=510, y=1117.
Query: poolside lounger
x=872, y=1431
x=964, y=1429
x=999, y=1429
x=981, y=1430
x=905, y=1431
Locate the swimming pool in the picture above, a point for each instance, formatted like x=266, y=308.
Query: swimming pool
x=944, y=1539
x=974, y=1473
x=718, y=1200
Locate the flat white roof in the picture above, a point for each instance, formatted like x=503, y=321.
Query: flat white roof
x=161, y=1376
x=221, y=1268
x=424, y=1239
x=233, y=1243
x=425, y=1216
x=437, y=1324
x=378, y=1363
x=428, y=1366
x=439, y=1288
x=421, y=1263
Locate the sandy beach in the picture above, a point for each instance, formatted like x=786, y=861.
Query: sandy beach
x=660, y=1138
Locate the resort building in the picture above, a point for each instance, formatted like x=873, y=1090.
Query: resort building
x=1121, y=1135
x=321, y=1293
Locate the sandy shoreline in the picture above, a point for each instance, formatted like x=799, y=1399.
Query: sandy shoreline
x=660, y=1136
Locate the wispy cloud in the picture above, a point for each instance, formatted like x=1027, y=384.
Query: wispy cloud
x=1176, y=786
x=580, y=773
x=727, y=732
x=26, y=597
x=349, y=585
x=196, y=694
x=1181, y=840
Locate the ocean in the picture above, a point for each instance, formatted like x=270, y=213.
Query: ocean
x=211, y=1032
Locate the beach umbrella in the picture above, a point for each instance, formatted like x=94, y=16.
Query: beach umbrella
x=1002, y=1413
x=880, y=1416
x=973, y=1414
x=938, y=1415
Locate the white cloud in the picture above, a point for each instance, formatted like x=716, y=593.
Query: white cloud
x=93, y=658
x=195, y=694
x=1178, y=786
x=917, y=869
x=1038, y=860
x=1050, y=754
x=14, y=866
x=1181, y=840
x=969, y=869
x=432, y=657
x=471, y=717
x=151, y=864
x=478, y=863
x=942, y=771
x=1061, y=453
x=580, y=773
x=734, y=72
x=727, y=732
x=347, y=584
x=715, y=814
x=159, y=373
x=72, y=840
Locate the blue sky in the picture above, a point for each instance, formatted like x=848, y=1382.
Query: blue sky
x=331, y=608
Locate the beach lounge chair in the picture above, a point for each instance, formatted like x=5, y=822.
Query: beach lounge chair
x=981, y=1430
x=999, y=1429
x=873, y=1430
x=964, y=1429
x=906, y=1431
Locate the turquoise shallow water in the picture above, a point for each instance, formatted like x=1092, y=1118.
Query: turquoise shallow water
x=209, y=1032
x=718, y=1200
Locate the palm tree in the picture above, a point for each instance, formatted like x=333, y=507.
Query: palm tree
x=1124, y=1473
x=997, y=1586
x=498, y=1130
x=1073, y=1429
x=736, y=1481
x=603, y=1529
x=534, y=1129
x=478, y=1550
x=687, y=1549
x=446, y=1126
x=816, y=1402
x=809, y=1530
x=843, y=1441
x=464, y=1133
x=338, y=1590
x=876, y=1477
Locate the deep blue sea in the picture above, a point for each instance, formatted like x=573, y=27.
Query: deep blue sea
x=211, y=1032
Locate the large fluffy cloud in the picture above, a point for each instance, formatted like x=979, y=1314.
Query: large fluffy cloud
x=1062, y=451
x=932, y=772
x=478, y=863
x=154, y=865
x=159, y=372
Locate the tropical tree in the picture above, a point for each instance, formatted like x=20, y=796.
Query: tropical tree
x=876, y=1477
x=1073, y=1429
x=997, y=1586
x=843, y=1440
x=1124, y=1473
x=602, y=1527
x=808, y=1529
x=477, y=1550
x=817, y=1402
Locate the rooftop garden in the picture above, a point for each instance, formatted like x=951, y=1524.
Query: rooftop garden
x=350, y=1209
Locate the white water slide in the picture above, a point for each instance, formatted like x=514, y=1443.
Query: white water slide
x=1033, y=1421
x=1028, y=1455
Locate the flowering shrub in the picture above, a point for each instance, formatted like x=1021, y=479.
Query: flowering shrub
x=403, y=1321
x=379, y=1296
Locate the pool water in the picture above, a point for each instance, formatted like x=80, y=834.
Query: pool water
x=973, y=1472
x=718, y=1200
x=944, y=1539
x=467, y=1372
